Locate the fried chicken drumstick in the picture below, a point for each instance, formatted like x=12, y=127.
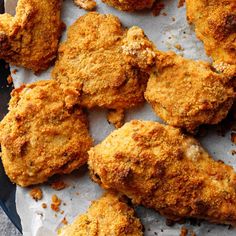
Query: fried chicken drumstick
x=159, y=167
x=30, y=38
x=109, y=215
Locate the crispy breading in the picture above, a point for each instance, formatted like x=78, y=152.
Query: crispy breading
x=30, y=38
x=93, y=68
x=187, y=93
x=109, y=215
x=40, y=136
x=159, y=167
x=130, y=5
x=215, y=25
x=86, y=4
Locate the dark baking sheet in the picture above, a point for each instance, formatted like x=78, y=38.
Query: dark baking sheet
x=7, y=189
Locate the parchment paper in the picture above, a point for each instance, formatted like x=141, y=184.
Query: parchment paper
x=165, y=32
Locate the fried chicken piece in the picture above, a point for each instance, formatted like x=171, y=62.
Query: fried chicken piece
x=30, y=38
x=86, y=4
x=130, y=5
x=215, y=25
x=187, y=93
x=93, y=68
x=109, y=215
x=40, y=136
x=159, y=167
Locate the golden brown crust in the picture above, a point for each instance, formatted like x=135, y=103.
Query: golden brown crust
x=187, y=93
x=40, y=136
x=130, y=5
x=215, y=25
x=30, y=38
x=93, y=68
x=159, y=167
x=86, y=4
x=109, y=215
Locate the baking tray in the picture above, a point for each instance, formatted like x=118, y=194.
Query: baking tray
x=7, y=191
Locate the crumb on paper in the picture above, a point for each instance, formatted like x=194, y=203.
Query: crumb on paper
x=62, y=212
x=233, y=152
x=64, y=221
x=233, y=138
x=14, y=71
x=179, y=47
x=56, y=202
x=164, y=14
x=58, y=185
x=9, y=79
x=157, y=8
x=36, y=194
x=173, y=18
x=44, y=205
x=184, y=231
x=181, y=3
x=116, y=117
x=86, y=4
x=77, y=193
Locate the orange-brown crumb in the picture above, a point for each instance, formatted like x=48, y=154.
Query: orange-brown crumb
x=184, y=231
x=58, y=184
x=64, y=221
x=36, y=194
x=233, y=137
x=44, y=205
x=179, y=47
x=86, y=4
x=116, y=117
x=9, y=79
x=14, y=71
x=181, y=3
x=56, y=202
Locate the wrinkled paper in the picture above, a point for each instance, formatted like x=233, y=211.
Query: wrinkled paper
x=166, y=31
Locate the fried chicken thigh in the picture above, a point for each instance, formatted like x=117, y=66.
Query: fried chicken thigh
x=109, y=215
x=187, y=93
x=30, y=38
x=215, y=25
x=130, y=5
x=93, y=67
x=40, y=136
x=159, y=167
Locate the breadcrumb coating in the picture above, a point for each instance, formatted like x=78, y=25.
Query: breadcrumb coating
x=159, y=167
x=40, y=136
x=215, y=25
x=31, y=37
x=86, y=4
x=109, y=215
x=93, y=68
x=187, y=93
x=130, y=5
